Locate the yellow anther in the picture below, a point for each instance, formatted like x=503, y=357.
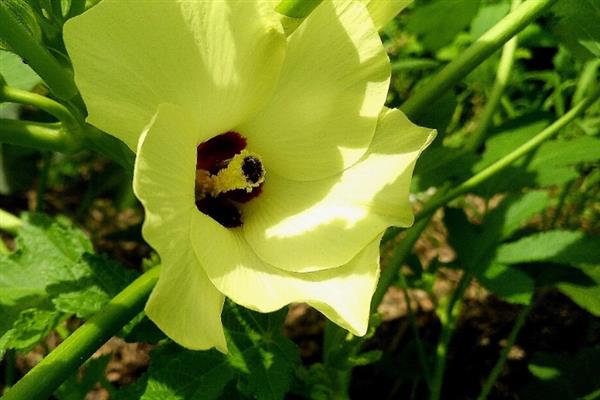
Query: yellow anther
x=244, y=171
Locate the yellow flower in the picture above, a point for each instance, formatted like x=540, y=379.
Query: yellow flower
x=267, y=165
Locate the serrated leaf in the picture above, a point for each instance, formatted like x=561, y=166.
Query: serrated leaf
x=50, y=276
x=179, y=374
x=89, y=284
x=432, y=23
x=260, y=352
x=563, y=247
x=259, y=364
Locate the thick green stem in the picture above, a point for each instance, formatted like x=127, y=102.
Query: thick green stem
x=60, y=112
x=503, y=74
x=485, y=46
x=448, y=323
x=8, y=222
x=63, y=361
x=507, y=160
x=495, y=373
x=401, y=252
x=57, y=77
x=37, y=135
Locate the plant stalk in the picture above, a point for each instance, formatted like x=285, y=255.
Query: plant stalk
x=507, y=160
x=46, y=136
x=502, y=76
x=56, y=76
x=495, y=373
x=474, y=55
x=401, y=253
x=57, y=110
x=63, y=361
x=448, y=323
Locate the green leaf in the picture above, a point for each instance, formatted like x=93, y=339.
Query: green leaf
x=488, y=16
x=260, y=364
x=577, y=26
x=260, y=353
x=515, y=211
x=553, y=163
x=585, y=294
x=50, y=276
x=476, y=244
x=564, y=376
x=439, y=21
x=508, y=283
x=89, y=284
x=563, y=247
x=16, y=74
x=176, y=373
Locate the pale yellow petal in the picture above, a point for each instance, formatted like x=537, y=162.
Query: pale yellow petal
x=220, y=59
x=307, y=226
x=332, y=87
x=342, y=294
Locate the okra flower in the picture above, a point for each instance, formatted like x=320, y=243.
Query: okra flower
x=267, y=165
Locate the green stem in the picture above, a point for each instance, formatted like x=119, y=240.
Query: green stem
x=504, y=70
x=495, y=373
x=479, y=51
x=47, y=136
x=415, y=328
x=401, y=252
x=8, y=222
x=57, y=77
x=587, y=79
x=507, y=160
x=63, y=361
x=60, y=112
x=448, y=324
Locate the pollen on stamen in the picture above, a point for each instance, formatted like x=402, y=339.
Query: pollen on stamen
x=227, y=176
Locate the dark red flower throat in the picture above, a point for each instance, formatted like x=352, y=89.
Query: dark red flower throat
x=213, y=156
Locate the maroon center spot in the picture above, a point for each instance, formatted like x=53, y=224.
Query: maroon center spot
x=213, y=155
x=215, y=152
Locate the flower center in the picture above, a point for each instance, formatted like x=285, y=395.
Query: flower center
x=227, y=175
